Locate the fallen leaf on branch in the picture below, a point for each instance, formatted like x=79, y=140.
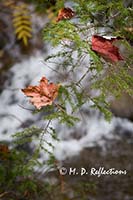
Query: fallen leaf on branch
x=65, y=13
x=106, y=48
x=42, y=95
x=4, y=151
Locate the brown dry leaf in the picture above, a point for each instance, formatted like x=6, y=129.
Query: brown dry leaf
x=65, y=13
x=106, y=48
x=42, y=95
x=4, y=151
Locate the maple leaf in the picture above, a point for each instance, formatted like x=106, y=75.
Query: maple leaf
x=4, y=148
x=106, y=48
x=65, y=13
x=42, y=95
x=4, y=151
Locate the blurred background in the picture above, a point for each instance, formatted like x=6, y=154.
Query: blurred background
x=94, y=142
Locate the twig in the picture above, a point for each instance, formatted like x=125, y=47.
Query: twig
x=11, y=115
x=3, y=194
x=43, y=132
x=78, y=82
x=25, y=108
x=60, y=108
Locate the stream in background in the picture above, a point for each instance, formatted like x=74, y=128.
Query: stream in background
x=15, y=112
x=93, y=142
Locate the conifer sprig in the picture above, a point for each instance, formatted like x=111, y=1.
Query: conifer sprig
x=22, y=23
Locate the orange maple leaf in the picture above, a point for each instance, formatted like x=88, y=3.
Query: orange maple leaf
x=42, y=95
x=65, y=13
x=106, y=48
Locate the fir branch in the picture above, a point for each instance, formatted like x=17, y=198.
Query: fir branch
x=22, y=23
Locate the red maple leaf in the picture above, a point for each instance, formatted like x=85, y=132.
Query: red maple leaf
x=42, y=95
x=106, y=48
x=65, y=13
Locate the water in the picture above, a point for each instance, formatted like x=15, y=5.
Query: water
x=14, y=113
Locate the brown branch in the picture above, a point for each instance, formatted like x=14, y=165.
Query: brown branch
x=3, y=194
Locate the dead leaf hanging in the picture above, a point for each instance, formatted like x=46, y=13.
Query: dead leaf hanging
x=42, y=95
x=4, y=151
x=106, y=48
x=65, y=13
